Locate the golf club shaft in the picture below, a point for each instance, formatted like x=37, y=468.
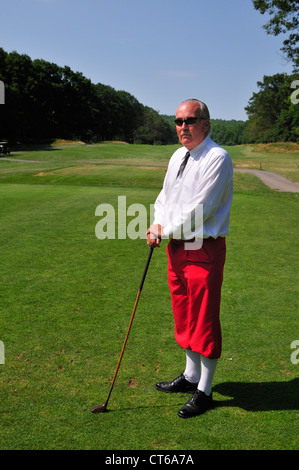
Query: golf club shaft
x=130, y=324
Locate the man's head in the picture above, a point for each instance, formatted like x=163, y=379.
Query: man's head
x=192, y=134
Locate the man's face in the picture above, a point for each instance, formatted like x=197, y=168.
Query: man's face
x=193, y=134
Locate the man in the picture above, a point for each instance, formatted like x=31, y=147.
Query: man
x=201, y=178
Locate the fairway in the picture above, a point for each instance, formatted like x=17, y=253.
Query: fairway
x=67, y=298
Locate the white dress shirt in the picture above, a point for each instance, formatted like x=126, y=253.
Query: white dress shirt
x=207, y=182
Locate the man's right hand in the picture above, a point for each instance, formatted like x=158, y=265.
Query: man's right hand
x=154, y=235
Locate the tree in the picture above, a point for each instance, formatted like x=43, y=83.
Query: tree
x=75, y=111
x=287, y=124
x=15, y=72
x=228, y=132
x=44, y=101
x=272, y=115
x=284, y=19
x=107, y=125
x=154, y=130
x=129, y=116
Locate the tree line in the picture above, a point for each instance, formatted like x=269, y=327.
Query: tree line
x=273, y=114
x=45, y=101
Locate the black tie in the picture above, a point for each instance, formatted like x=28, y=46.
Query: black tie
x=183, y=164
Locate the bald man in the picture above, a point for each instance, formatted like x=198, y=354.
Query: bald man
x=199, y=175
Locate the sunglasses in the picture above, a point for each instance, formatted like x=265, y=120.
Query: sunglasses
x=188, y=121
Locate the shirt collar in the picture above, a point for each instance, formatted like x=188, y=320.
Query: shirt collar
x=194, y=152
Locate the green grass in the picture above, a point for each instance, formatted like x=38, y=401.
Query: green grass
x=260, y=157
x=67, y=297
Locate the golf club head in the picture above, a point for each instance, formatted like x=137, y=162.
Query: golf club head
x=99, y=409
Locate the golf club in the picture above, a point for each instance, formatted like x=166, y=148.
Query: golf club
x=103, y=408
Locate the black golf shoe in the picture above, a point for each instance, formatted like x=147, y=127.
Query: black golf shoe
x=180, y=384
x=197, y=405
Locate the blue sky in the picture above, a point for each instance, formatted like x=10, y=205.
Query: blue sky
x=160, y=51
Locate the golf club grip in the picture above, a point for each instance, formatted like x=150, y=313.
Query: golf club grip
x=146, y=268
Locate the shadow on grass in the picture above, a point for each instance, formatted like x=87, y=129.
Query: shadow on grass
x=250, y=396
x=260, y=396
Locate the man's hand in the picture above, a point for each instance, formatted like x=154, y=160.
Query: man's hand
x=154, y=235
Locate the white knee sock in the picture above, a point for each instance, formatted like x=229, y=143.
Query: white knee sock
x=200, y=369
x=208, y=367
x=192, y=370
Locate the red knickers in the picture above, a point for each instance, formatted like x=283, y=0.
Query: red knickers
x=195, y=279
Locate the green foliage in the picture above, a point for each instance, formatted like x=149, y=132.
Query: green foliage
x=272, y=115
x=155, y=129
x=45, y=101
x=228, y=132
x=284, y=18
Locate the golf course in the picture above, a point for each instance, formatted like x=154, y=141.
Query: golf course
x=67, y=298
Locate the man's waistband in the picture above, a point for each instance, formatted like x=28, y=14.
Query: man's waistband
x=192, y=240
